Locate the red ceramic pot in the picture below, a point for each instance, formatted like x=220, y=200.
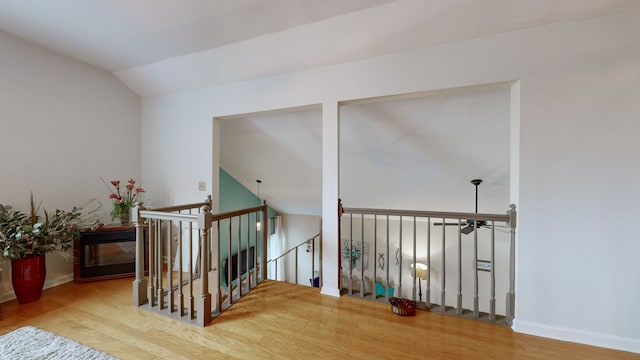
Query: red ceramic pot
x=27, y=277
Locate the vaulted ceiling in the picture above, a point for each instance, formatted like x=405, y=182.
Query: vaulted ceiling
x=122, y=34
x=158, y=47
x=431, y=144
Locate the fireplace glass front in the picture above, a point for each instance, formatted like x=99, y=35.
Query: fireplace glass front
x=107, y=253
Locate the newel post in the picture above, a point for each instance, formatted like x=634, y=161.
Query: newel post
x=140, y=283
x=203, y=306
x=209, y=201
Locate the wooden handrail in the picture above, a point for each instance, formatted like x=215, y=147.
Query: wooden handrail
x=230, y=214
x=161, y=213
x=185, y=206
x=164, y=215
x=433, y=214
x=295, y=247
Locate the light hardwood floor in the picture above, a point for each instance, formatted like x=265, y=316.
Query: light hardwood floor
x=277, y=321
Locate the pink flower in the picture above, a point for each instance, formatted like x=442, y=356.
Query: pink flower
x=123, y=198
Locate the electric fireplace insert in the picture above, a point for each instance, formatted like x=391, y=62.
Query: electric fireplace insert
x=107, y=253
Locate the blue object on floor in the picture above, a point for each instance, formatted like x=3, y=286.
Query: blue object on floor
x=380, y=290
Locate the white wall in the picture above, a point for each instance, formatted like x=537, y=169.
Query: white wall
x=64, y=124
x=578, y=188
x=177, y=151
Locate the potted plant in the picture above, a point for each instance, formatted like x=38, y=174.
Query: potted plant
x=26, y=238
x=123, y=199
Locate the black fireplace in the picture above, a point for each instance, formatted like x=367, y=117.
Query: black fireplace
x=106, y=253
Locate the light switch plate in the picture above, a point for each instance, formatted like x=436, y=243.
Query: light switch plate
x=202, y=186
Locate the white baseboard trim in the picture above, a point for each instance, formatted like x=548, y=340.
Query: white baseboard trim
x=577, y=336
x=49, y=283
x=330, y=292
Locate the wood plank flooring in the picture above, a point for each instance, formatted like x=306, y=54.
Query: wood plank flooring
x=278, y=321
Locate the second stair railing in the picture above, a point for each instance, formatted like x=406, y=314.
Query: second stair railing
x=383, y=250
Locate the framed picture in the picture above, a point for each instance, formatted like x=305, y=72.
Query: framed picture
x=355, y=255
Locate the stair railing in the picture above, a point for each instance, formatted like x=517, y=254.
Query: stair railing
x=179, y=247
x=310, y=245
x=386, y=237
